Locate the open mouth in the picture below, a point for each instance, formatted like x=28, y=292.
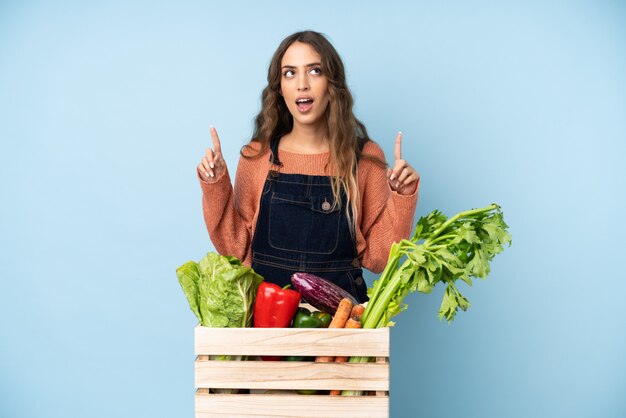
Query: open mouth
x=304, y=104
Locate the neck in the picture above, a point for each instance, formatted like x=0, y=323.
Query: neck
x=306, y=139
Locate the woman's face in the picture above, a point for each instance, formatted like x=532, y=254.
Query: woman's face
x=303, y=85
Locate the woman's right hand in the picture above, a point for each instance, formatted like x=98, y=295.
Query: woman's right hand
x=212, y=165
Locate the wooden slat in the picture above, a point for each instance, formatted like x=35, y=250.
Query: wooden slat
x=292, y=341
x=291, y=375
x=383, y=360
x=297, y=406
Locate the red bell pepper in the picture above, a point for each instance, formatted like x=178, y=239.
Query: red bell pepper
x=275, y=307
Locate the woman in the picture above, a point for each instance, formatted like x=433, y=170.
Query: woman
x=312, y=192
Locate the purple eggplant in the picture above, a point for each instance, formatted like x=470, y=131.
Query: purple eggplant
x=320, y=293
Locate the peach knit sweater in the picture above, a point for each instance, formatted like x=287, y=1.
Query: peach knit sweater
x=384, y=216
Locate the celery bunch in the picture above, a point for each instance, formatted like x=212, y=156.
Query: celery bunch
x=450, y=249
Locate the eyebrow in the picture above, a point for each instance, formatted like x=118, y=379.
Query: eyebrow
x=308, y=65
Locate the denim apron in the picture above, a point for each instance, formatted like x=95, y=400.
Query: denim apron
x=297, y=230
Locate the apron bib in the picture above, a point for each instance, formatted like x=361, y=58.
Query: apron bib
x=298, y=231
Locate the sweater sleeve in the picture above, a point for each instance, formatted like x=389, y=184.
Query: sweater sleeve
x=387, y=216
x=228, y=213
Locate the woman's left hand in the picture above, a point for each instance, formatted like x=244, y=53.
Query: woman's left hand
x=402, y=177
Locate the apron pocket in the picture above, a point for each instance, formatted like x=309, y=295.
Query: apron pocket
x=306, y=224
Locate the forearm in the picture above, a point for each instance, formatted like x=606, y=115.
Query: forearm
x=227, y=228
x=394, y=223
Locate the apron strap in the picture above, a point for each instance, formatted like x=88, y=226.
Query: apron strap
x=274, y=152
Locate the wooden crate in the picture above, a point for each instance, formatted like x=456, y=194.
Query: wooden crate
x=372, y=377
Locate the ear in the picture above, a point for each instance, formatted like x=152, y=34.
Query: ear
x=280, y=92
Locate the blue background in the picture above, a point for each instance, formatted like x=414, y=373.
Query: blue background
x=104, y=114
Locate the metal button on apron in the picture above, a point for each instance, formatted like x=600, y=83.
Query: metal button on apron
x=326, y=206
x=359, y=281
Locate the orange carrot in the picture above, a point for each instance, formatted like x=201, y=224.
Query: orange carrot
x=339, y=321
x=343, y=313
x=357, y=312
x=351, y=323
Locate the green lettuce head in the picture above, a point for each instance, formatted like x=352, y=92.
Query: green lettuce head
x=220, y=290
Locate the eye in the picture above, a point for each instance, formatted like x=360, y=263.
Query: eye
x=288, y=73
x=315, y=70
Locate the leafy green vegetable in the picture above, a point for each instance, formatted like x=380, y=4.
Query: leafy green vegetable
x=451, y=249
x=189, y=277
x=220, y=290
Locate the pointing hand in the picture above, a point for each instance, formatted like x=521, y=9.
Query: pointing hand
x=402, y=177
x=212, y=165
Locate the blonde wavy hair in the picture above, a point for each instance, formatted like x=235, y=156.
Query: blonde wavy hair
x=347, y=135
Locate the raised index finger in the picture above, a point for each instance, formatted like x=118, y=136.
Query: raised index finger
x=398, y=151
x=216, y=140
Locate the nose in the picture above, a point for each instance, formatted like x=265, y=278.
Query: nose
x=303, y=82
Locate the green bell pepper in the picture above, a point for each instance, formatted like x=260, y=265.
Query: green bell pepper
x=326, y=318
x=304, y=319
